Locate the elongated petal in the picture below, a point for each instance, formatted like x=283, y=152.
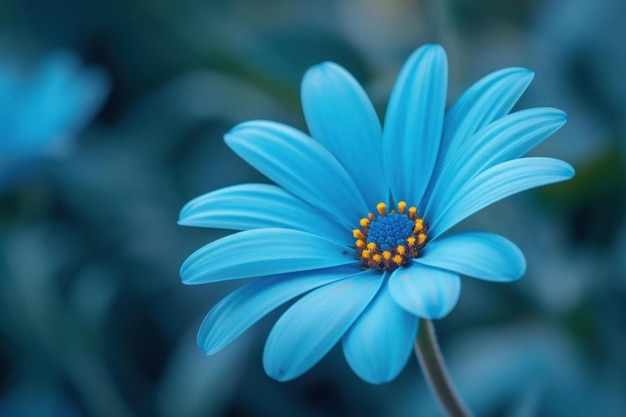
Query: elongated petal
x=507, y=138
x=242, y=308
x=477, y=254
x=252, y=206
x=487, y=100
x=299, y=164
x=315, y=323
x=341, y=117
x=379, y=344
x=414, y=122
x=496, y=183
x=425, y=291
x=261, y=252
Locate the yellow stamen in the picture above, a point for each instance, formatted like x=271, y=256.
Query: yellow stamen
x=411, y=241
x=421, y=238
x=387, y=255
x=401, y=250
x=377, y=258
x=419, y=226
x=412, y=212
x=371, y=246
x=358, y=234
x=365, y=254
x=401, y=206
x=360, y=243
x=364, y=223
x=381, y=208
x=397, y=259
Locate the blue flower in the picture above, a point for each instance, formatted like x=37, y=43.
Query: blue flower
x=41, y=109
x=355, y=225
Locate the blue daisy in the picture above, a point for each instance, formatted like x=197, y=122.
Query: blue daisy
x=42, y=109
x=356, y=223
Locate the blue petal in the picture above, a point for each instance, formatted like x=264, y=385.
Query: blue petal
x=61, y=97
x=242, y=308
x=496, y=183
x=341, y=117
x=253, y=206
x=424, y=291
x=299, y=164
x=509, y=137
x=379, y=344
x=259, y=252
x=414, y=121
x=476, y=254
x=315, y=323
x=487, y=100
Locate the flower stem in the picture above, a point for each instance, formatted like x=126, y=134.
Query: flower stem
x=434, y=368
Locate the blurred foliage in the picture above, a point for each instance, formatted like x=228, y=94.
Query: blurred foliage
x=95, y=319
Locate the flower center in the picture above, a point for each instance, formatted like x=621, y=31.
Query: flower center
x=390, y=240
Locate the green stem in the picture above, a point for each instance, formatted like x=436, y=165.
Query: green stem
x=434, y=368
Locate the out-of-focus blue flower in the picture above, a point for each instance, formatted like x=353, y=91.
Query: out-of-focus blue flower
x=42, y=108
x=357, y=219
x=529, y=369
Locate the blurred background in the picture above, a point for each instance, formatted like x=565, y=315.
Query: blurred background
x=94, y=318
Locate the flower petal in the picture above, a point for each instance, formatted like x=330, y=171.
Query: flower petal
x=253, y=206
x=509, y=137
x=425, y=291
x=379, y=344
x=487, y=100
x=59, y=98
x=242, y=308
x=299, y=164
x=315, y=323
x=414, y=122
x=477, y=254
x=261, y=252
x=496, y=183
x=341, y=117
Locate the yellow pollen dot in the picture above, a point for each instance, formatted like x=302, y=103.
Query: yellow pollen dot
x=381, y=208
x=397, y=259
x=365, y=254
x=360, y=243
x=402, y=206
x=421, y=238
x=364, y=223
x=401, y=250
x=411, y=241
x=412, y=212
x=358, y=234
x=371, y=246
x=387, y=255
x=419, y=225
x=377, y=258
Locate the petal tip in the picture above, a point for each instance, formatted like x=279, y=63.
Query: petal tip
x=433, y=47
x=183, y=216
x=319, y=78
x=569, y=171
x=526, y=74
x=430, y=53
x=277, y=371
x=319, y=70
